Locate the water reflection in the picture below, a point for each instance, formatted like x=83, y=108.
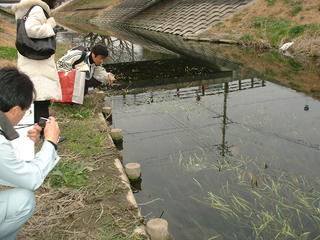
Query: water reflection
x=230, y=155
x=119, y=50
x=242, y=139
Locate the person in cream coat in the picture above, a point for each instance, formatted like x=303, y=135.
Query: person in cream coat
x=43, y=73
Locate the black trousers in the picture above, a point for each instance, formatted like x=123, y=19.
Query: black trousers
x=90, y=83
x=41, y=109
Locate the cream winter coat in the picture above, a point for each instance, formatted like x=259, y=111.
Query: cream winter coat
x=43, y=73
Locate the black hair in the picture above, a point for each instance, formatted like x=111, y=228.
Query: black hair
x=16, y=89
x=51, y=3
x=100, y=50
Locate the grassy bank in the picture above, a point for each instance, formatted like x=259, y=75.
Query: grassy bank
x=271, y=23
x=262, y=24
x=83, y=197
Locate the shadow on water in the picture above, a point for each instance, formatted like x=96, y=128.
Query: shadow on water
x=225, y=152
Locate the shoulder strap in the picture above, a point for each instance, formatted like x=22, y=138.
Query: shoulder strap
x=83, y=55
x=27, y=14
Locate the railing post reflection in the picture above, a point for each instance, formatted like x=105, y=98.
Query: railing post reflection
x=132, y=51
x=224, y=119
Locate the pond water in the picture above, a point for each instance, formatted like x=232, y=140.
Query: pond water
x=258, y=145
x=223, y=155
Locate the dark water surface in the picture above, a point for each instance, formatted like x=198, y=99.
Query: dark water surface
x=224, y=155
x=188, y=148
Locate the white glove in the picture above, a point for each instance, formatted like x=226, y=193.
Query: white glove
x=52, y=22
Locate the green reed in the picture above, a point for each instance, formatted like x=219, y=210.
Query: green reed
x=279, y=206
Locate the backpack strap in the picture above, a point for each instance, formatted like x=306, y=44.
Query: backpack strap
x=27, y=14
x=81, y=59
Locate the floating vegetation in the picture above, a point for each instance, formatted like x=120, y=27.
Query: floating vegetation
x=281, y=206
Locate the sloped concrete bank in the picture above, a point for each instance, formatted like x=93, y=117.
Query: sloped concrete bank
x=184, y=18
x=217, y=21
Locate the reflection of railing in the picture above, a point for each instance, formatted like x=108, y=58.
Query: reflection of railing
x=224, y=88
x=194, y=92
x=119, y=50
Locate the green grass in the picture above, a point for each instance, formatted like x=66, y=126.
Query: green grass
x=294, y=65
x=315, y=90
x=84, y=142
x=271, y=2
x=68, y=174
x=78, y=124
x=276, y=30
x=76, y=111
x=8, y=53
x=247, y=37
x=294, y=85
x=295, y=10
x=274, y=57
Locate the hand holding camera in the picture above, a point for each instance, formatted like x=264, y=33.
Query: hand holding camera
x=51, y=130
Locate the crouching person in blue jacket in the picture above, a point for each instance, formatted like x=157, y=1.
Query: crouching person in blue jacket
x=17, y=204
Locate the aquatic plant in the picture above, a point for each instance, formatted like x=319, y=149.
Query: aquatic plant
x=281, y=206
